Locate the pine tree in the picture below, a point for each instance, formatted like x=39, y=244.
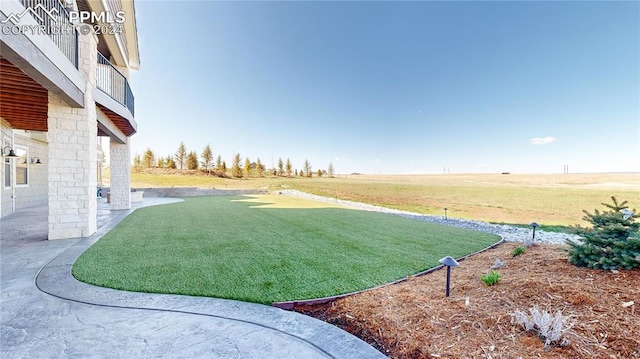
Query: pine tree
x=137, y=162
x=307, y=168
x=259, y=167
x=288, y=167
x=219, y=163
x=330, y=170
x=236, y=170
x=192, y=161
x=280, y=167
x=181, y=155
x=247, y=167
x=612, y=242
x=149, y=159
x=207, y=158
x=170, y=162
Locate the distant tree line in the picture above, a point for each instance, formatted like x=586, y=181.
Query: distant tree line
x=190, y=160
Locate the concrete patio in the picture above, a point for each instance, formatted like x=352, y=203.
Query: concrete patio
x=46, y=313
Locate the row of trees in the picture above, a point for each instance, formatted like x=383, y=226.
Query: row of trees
x=189, y=160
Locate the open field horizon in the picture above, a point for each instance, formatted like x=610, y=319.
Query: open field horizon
x=551, y=199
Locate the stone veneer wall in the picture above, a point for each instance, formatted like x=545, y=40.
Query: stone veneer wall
x=72, y=155
x=120, y=181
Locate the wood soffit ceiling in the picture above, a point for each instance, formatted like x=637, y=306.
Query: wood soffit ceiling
x=23, y=102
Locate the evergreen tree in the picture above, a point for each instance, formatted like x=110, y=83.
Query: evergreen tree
x=137, y=162
x=280, y=167
x=219, y=164
x=192, y=161
x=330, y=170
x=207, y=158
x=307, y=168
x=161, y=162
x=181, y=155
x=236, y=170
x=170, y=162
x=296, y=172
x=149, y=159
x=319, y=173
x=288, y=167
x=612, y=242
x=223, y=168
x=259, y=168
x=247, y=167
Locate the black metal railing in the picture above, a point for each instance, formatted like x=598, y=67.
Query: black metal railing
x=53, y=19
x=114, y=83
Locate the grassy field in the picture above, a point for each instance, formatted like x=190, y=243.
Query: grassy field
x=265, y=249
x=546, y=199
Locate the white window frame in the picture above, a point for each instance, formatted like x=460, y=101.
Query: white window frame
x=7, y=161
x=28, y=166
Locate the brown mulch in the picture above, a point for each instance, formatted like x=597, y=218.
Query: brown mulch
x=413, y=319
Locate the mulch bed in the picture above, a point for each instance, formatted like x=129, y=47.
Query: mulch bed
x=414, y=319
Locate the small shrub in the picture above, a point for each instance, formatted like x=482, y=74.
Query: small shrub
x=613, y=241
x=547, y=326
x=518, y=251
x=491, y=278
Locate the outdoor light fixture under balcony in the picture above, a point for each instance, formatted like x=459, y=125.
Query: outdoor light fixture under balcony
x=8, y=153
x=36, y=161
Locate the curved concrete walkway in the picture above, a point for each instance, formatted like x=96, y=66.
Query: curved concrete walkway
x=46, y=313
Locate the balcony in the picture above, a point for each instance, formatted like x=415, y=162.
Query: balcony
x=53, y=17
x=113, y=83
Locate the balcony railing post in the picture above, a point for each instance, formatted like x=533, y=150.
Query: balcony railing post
x=59, y=28
x=112, y=82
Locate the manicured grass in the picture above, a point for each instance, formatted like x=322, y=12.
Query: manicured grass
x=269, y=249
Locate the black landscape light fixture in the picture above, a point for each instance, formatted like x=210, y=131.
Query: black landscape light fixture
x=534, y=225
x=7, y=151
x=449, y=262
x=36, y=161
x=445, y=213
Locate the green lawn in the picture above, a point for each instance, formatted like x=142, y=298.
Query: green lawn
x=264, y=250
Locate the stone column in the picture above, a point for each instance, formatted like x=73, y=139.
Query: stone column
x=120, y=187
x=72, y=162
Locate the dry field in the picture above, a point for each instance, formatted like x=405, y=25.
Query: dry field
x=516, y=198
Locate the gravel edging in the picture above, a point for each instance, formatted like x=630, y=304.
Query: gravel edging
x=506, y=232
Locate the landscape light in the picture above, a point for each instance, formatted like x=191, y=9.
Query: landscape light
x=449, y=262
x=445, y=213
x=626, y=213
x=534, y=225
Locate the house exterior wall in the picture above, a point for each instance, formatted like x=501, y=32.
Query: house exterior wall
x=69, y=151
x=6, y=138
x=35, y=193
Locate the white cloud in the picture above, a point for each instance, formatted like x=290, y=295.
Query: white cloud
x=542, y=140
x=341, y=158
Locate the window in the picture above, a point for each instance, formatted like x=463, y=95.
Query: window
x=7, y=172
x=22, y=167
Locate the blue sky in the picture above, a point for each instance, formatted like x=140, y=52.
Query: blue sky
x=394, y=87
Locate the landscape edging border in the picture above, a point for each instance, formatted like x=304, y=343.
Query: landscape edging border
x=290, y=305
